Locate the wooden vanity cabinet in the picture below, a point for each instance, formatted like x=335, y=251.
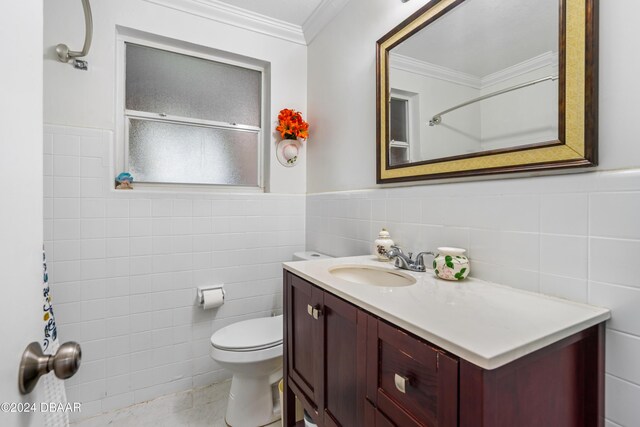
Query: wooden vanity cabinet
x=373, y=417
x=351, y=369
x=325, y=349
x=561, y=385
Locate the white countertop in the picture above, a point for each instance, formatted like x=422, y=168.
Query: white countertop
x=487, y=324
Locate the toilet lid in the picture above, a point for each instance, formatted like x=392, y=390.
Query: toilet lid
x=254, y=334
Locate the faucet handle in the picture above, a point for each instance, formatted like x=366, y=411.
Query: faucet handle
x=399, y=249
x=420, y=257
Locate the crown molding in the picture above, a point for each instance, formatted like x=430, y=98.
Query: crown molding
x=227, y=14
x=324, y=13
x=412, y=65
x=535, y=63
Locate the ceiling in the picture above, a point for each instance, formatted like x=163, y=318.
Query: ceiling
x=292, y=11
x=481, y=37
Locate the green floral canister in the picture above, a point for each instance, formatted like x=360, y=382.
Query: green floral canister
x=451, y=264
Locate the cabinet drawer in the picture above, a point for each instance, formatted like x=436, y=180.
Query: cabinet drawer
x=374, y=418
x=411, y=382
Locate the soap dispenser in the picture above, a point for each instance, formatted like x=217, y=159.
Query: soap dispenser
x=382, y=245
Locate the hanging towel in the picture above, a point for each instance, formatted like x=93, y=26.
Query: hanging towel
x=53, y=386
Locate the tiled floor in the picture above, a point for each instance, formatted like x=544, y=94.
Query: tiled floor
x=193, y=408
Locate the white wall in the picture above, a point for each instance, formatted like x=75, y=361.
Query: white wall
x=342, y=102
x=460, y=131
x=342, y=94
x=87, y=99
x=524, y=116
x=563, y=235
x=125, y=265
x=521, y=117
x=21, y=206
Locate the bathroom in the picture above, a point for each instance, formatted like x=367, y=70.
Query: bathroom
x=124, y=266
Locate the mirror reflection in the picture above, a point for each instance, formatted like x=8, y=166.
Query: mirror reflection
x=482, y=78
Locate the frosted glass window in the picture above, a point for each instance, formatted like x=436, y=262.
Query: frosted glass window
x=177, y=153
x=192, y=120
x=398, y=119
x=163, y=82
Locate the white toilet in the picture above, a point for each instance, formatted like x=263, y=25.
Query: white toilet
x=309, y=256
x=252, y=351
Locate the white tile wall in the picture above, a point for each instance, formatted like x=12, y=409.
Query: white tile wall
x=574, y=236
x=124, y=266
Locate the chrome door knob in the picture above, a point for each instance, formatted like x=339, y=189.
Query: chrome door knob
x=65, y=363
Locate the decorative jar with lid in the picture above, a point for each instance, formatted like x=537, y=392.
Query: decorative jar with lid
x=383, y=245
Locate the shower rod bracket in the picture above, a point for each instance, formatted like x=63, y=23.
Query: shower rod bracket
x=65, y=54
x=80, y=64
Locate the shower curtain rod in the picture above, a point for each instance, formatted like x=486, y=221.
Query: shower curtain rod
x=65, y=54
x=437, y=119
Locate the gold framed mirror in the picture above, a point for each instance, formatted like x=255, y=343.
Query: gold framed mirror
x=477, y=87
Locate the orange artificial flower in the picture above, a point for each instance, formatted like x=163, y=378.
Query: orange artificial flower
x=291, y=125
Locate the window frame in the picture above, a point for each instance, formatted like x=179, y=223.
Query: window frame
x=121, y=151
x=412, y=144
x=407, y=122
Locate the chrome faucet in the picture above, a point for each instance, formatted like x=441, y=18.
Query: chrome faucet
x=405, y=261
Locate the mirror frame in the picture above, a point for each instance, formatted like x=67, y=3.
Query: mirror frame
x=577, y=143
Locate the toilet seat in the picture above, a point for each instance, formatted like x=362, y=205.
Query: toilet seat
x=249, y=335
x=246, y=357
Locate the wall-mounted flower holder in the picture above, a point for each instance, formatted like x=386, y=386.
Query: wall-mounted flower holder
x=293, y=130
x=288, y=152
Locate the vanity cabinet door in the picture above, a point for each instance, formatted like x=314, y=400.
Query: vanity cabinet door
x=325, y=355
x=344, y=363
x=304, y=343
x=410, y=382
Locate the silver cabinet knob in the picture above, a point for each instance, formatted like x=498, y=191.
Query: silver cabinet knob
x=34, y=363
x=314, y=311
x=401, y=383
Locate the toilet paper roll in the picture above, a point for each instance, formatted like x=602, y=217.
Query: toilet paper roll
x=212, y=298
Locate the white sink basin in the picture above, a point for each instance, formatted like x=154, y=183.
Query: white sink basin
x=374, y=276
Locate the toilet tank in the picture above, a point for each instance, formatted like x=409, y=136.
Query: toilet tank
x=309, y=256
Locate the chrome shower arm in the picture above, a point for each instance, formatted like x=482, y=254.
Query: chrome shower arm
x=64, y=53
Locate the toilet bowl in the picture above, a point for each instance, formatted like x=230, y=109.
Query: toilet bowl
x=252, y=351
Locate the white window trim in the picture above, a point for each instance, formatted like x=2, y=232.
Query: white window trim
x=413, y=124
x=121, y=150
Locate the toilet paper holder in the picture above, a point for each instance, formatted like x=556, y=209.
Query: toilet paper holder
x=202, y=289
